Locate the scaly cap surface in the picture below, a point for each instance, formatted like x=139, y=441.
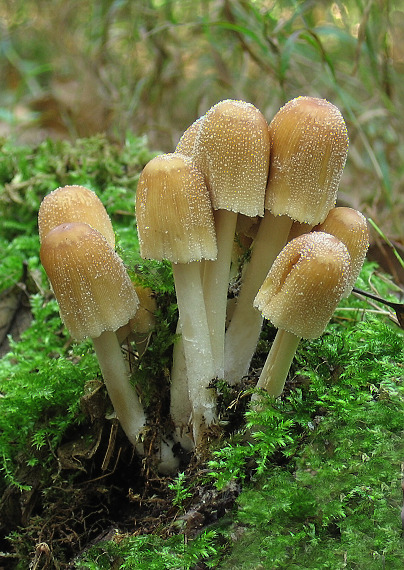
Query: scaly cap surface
x=173, y=211
x=90, y=282
x=74, y=204
x=309, y=146
x=350, y=227
x=186, y=143
x=232, y=150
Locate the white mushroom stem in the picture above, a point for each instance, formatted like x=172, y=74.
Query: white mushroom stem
x=216, y=284
x=196, y=341
x=123, y=395
x=277, y=364
x=180, y=405
x=245, y=325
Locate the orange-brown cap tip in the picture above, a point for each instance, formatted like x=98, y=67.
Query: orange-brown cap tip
x=74, y=204
x=232, y=150
x=350, y=227
x=309, y=146
x=305, y=284
x=173, y=211
x=90, y=282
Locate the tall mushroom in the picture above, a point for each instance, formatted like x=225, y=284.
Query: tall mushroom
x=309, y=145
x=95, y=297
x=74, y=204
x=231, y=148
x=299, y=295
x=175, y=222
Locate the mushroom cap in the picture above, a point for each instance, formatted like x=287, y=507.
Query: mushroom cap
x=305, y=284
x=187, y=141
x=350, y=227
x=309, y=147
x=74, y=204
x=173, y=211
x=232, y=150
x=90, y=282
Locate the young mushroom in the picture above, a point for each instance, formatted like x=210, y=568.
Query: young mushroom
x=299, y=295
x=231, y=148
x=175, y=222
x=74, y=204
x=96, y=297
x=308, y=150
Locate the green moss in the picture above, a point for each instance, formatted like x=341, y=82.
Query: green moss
x=42, y=377
x=327, y=459
x=153, y=553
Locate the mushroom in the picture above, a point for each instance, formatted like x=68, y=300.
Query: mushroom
x=308, y=150
x=299, y=295
x=95, y=297
x=175, y=222
x=74, y=204
x=231, y=148
x=350, y=227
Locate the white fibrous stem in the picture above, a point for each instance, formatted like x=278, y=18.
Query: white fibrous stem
x=197, y=347
x=245, y=326
x=180, y=405
x=277, y=364
x=123, y=395
x=216, y=283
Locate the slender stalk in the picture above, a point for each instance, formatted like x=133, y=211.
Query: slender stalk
x=216, y=284
x=180, y=405
x=277, y=364
x=197, y=346
x=245, y=326
x=123, y=396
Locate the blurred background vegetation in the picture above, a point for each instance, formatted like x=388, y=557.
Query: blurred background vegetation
x=74, y=68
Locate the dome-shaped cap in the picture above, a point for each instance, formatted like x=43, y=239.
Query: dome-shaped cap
x=74, y=204
x=173, y=211
x=350, y=227
x=232, y=150
x=90, y=282
x=309, y=146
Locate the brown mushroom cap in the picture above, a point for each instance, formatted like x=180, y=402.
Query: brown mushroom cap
x=232, y=150
x=350, y=227
x=173, y=211
x=90, y=282
x=309, y=146
x=305, y=284
x=74, y=204
x=187, y=141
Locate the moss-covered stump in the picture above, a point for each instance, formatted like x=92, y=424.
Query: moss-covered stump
x=317, y=485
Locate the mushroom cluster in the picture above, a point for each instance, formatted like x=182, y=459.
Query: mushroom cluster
x=233, y=179
x=268, y=185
